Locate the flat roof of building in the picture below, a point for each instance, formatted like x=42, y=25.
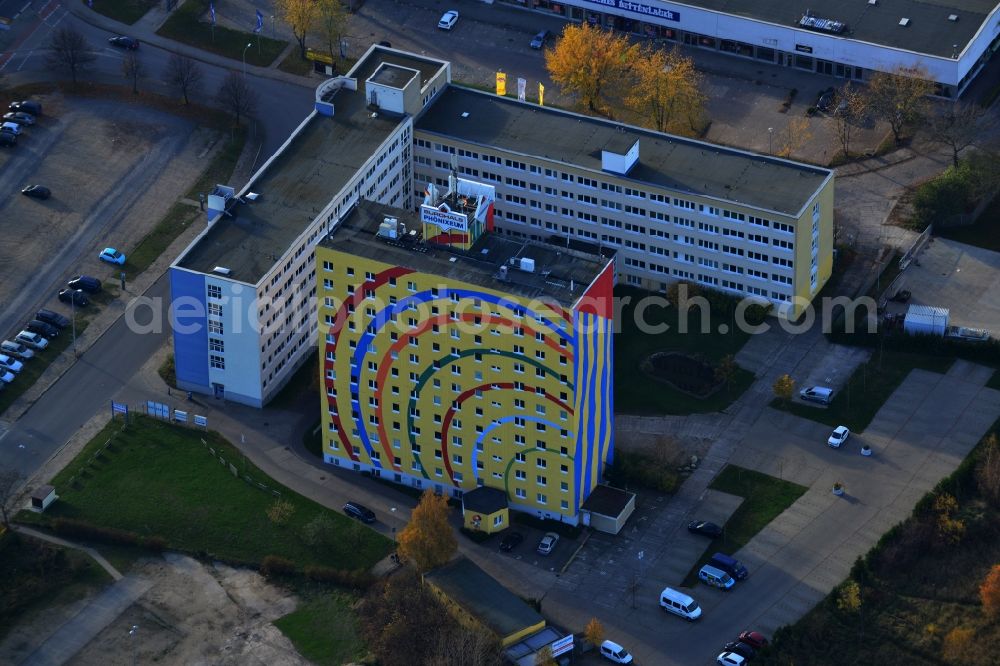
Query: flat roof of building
x=665, y=160
x=560, y=273
x=484, y=499
x=929, y=29
x=302, y=178
x=607, y=501
x=483, y=597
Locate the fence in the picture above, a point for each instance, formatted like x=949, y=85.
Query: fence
x=165, y=412
x=915, y=249
x=235, y=471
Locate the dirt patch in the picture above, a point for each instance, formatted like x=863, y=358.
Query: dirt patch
x=685, y=373
x=194, y=613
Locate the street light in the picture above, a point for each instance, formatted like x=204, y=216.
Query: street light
x=245, y=59
x=132, y=632
x=770, y=135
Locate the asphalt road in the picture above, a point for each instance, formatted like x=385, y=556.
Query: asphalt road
x=85, y=389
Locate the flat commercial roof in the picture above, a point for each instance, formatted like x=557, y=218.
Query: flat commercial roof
x=561, y=274
x=929, y=30
x=483, y=597
x=683, y=165
x=301, y=180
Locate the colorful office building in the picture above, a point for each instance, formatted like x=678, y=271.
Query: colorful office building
x=453, y=358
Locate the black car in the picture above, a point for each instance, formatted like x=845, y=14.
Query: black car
x=539, y=40
x=740, y=648
x=8, y=139
x=37, y=192
x=53, y=318
x=510, y=541
x=43, y=329
x=123, y=42
x=704, y=528
x=86, y=283
x=355, y=510
x=34, y=108
x=826, y=100
x=74, y=296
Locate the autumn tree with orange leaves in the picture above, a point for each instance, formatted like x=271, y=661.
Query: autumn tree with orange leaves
x=666, y=90
x=989, y=591
x=428, y=540
x=591, y=63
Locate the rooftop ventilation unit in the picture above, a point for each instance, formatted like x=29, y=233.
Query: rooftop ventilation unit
x=904, y=22
x=872, y=2
x=221, y=270
x=818, y=24
x=953, y=17
x=527, y=265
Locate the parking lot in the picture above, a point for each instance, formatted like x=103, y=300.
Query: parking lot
x=114, y=169
x=956, y=276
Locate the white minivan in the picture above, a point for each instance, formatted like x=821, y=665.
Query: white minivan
x=679, y=603
x=616, y=653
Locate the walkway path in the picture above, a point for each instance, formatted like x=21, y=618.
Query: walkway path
x=96, y=556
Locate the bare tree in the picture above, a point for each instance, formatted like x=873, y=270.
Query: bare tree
x=236, y=97
x=184, y=75
x=10, y=484
x=133, y=70
x=850, y=111
x=959, y=125
x=899, y=97
x=69, y=50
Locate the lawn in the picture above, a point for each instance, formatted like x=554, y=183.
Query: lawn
x=915, y=590
x=636, y=393
x=764, y=498
x=123, y=11
x=294, y=63
x=35, y=575
x=866, y=391
x=34, y=368
x=161, y=480
x=186, y=25
x=324, y=630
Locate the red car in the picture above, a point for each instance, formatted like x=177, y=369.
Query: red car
x=754, y=639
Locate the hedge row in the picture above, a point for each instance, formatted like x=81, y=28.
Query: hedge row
x=83, y=530
x=274, y=566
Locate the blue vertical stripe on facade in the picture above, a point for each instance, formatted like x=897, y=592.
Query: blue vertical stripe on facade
x=187, y=290
x=609, y=395
x=600, y=335
x=578, y=405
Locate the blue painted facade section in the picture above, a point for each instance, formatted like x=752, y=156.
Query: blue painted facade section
x=187, y=290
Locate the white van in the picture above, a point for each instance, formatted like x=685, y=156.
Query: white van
x=820, y=394
x=679, y=603
x=715, y=577
x=616, y=653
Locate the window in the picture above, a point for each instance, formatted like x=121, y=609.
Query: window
x=215, y=309
x=214, y=291
x=217, y=345
x=217, y=362
x=215, y=327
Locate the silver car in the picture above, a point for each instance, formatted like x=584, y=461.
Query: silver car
x=16, y=350
x=10, y=363
x=32, y=340
x=548, y=543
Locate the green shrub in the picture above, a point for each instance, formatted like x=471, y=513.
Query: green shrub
x=83, y=530
x=357, y=578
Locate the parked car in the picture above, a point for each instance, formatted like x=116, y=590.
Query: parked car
x=16, y=349
x=540, y=40
x=54, y=318
x=715, y=577
x=839, y=436
x=10, y=363
x=37, y=192
x=86, y=283
x=548, y=543
x=32, y=340
x=74, y=296
x=6, y=376
x=730, y=659
x=112, y=256
x=820, y=394
x=730, y=565
x=11, y=128
x=19, y=117
x=124, y=42
x=754, y=639
x=744, y=650
x=678, y=603
x=704, y=528
x=8, y=139
x=510, y=541
x=616, y=653
x=43, y=329
x=355, y=510
x=448, y=20
x=34, y=108
x=826, y=100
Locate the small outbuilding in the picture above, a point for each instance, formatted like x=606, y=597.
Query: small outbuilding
x=42, y=497
x=607, y=509
x=926, y=320
x=485, y=510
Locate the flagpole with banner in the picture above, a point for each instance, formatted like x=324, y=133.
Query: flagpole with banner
x=541, y=94
x=522, y=85
x=258, y=27
x=501, y=84
x=211, y=11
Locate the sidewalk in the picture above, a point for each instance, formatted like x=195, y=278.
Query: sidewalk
x=96, y=556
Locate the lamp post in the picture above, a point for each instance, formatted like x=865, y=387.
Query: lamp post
x=770, y=136
x=132, y=632
x=245, y=59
